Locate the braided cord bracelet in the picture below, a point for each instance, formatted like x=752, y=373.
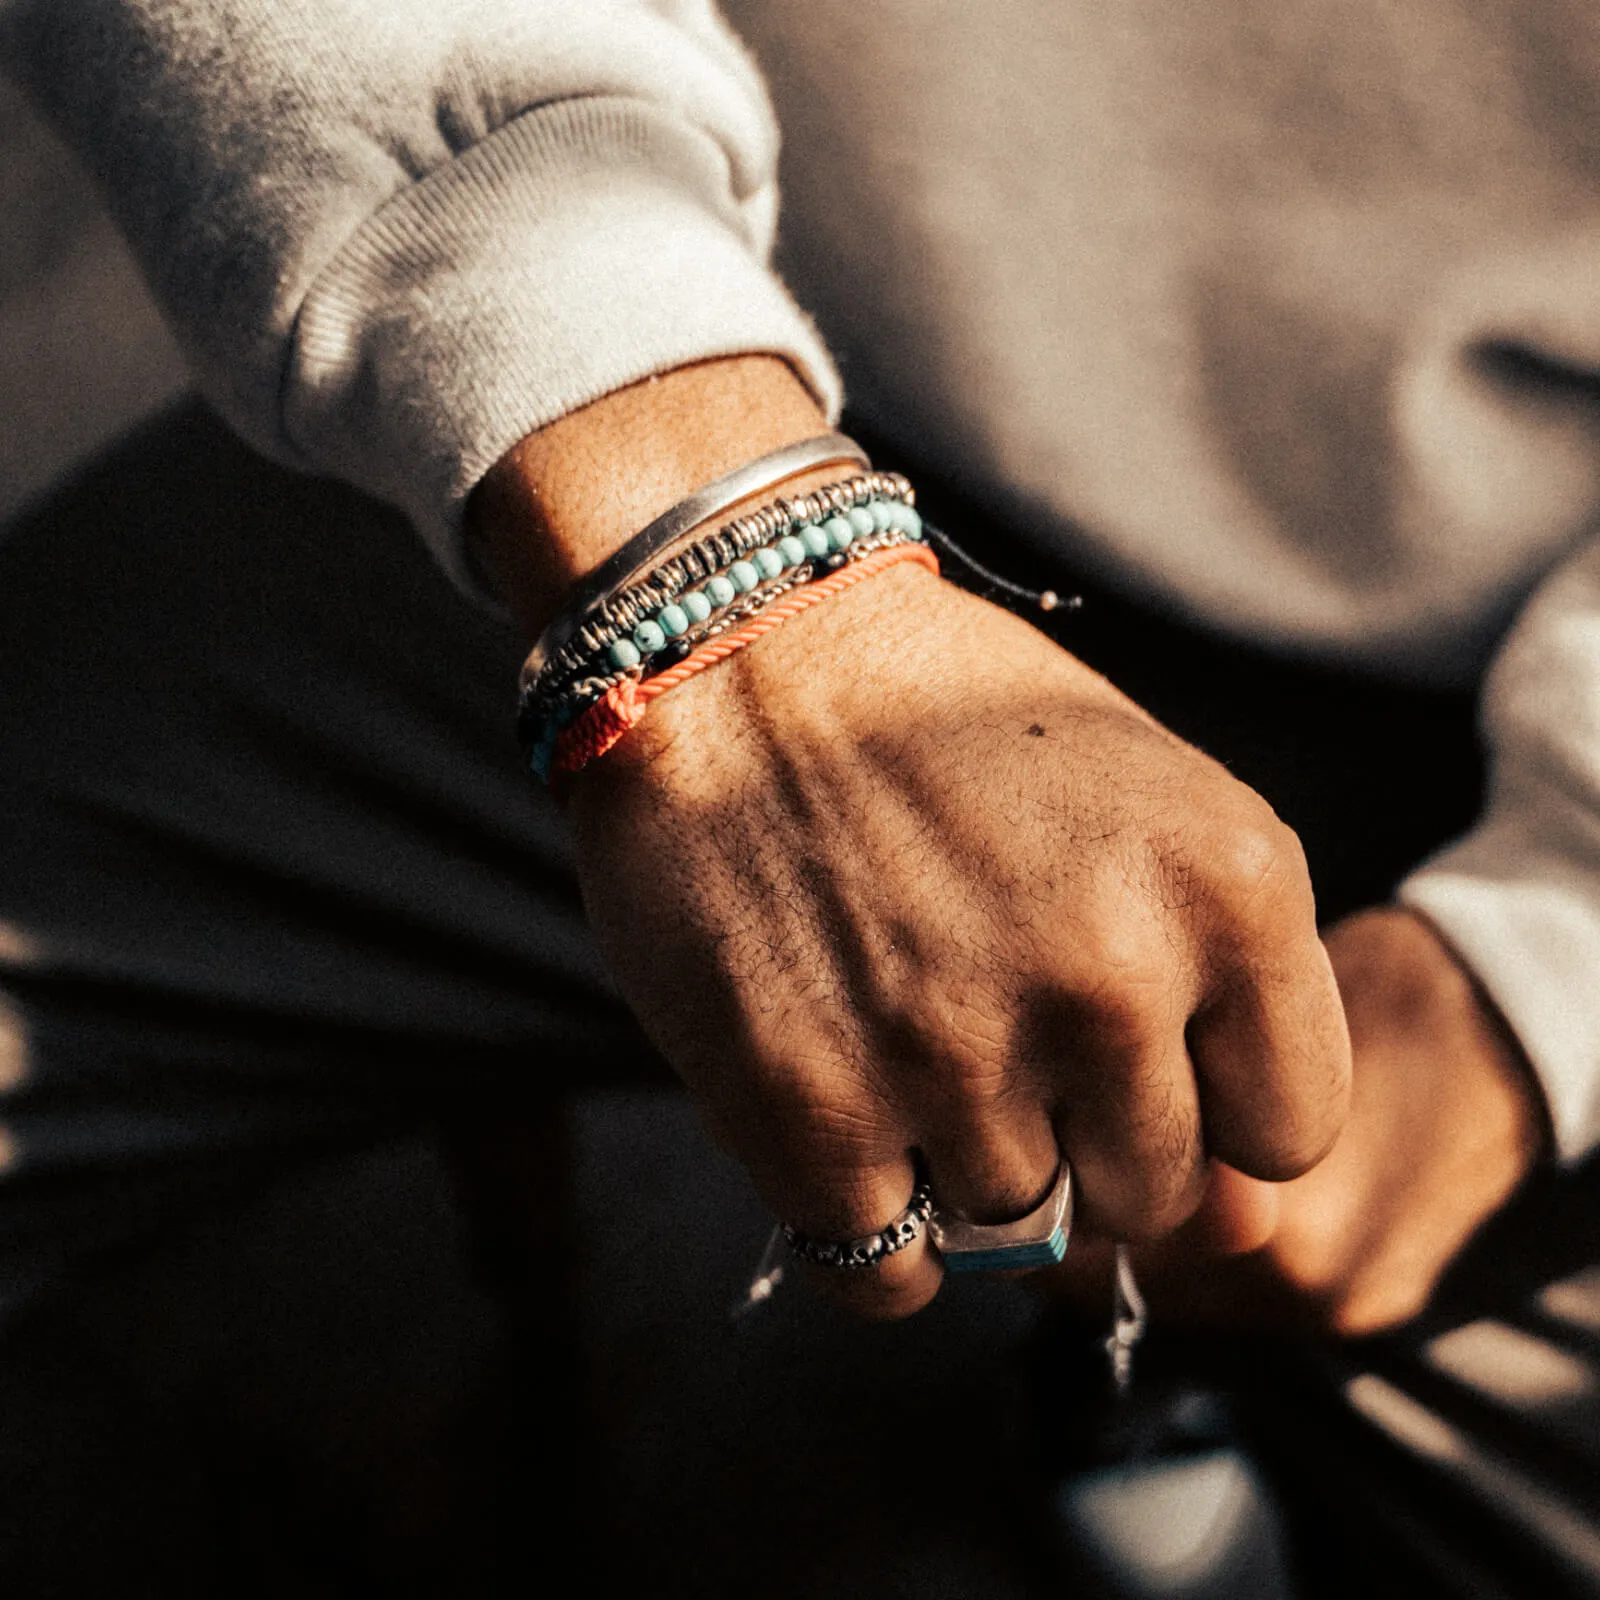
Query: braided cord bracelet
x=623, y=706
x=544, y=711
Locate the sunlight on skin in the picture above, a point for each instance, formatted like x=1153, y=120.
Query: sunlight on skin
x=1238, y=1214
x=16, y=950
x=13, y=1047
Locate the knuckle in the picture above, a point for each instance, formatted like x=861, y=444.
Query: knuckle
x=1314, y=1122
x=1123, y=1016
x=952, y=1054
x=967, y=1091
x=1258, y=861
x=1121, y=1001
x=1297, y=1146
x=827, y=1122
x=1281, y=1141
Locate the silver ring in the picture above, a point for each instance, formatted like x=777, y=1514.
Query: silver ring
x=851, y=1255
x=1036, y=1240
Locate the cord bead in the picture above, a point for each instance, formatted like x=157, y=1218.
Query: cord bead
x=720, y=590
x=624, y=655
x=608, y=719
x=649, y=636
x=743, y=576
x=860, y=518
x=696, y=604
x=767, y=561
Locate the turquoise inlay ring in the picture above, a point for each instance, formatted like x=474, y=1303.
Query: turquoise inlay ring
x=1036, y=1240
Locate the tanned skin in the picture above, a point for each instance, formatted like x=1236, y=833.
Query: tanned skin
x=905, y=881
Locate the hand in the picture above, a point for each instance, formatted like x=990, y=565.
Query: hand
x=1445, y=1121
x=907, y=877
x=904, y=880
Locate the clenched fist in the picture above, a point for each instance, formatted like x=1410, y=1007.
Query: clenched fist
x=1446, y=1120
x=905, y=884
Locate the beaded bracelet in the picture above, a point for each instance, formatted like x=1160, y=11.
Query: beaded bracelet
x=623, y=706
x=778, y=536
x=677, y=610
x=543, y=716
x=658, y=614
x=624, y=608
x=647, y=546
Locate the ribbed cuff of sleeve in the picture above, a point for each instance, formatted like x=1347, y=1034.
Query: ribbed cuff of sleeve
x=582, y=247
x=1521, y=907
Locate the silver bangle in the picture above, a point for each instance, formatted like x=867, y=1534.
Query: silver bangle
x=650, y=544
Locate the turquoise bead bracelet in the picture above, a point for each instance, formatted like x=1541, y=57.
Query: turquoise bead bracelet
x=725, y=605
x=809, y=541
x=702, y=588
x=713, y=554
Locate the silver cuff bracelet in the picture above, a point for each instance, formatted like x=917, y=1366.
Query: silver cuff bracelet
x=652, y=543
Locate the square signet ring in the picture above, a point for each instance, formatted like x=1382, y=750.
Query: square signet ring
x=1036, y=1240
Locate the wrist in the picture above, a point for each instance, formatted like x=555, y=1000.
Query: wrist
x=560, y=502
x=810, y=689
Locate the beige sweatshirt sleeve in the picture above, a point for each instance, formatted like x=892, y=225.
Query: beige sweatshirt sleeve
x=1519, y=896
x=395, y=236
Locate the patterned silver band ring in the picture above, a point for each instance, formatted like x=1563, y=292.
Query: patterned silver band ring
x=850, y=1255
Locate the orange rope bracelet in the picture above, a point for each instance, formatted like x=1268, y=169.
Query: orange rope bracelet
x=624, y=704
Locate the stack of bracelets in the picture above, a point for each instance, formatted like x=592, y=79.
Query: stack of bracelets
x=677, y=599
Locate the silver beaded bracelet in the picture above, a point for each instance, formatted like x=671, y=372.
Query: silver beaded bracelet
x=647, y=547
x=715, y=554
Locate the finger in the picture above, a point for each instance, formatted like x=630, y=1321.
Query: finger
x=834, y=1191
x=1128, y=1119
x=1238, y=1214
x=1272, y=1056
x=995, y=1164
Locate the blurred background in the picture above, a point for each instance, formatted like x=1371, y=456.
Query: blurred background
x=85, y=355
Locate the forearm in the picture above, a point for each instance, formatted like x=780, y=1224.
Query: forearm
x=554, y=507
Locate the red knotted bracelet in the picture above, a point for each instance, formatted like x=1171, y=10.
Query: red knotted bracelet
x=623, y=705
